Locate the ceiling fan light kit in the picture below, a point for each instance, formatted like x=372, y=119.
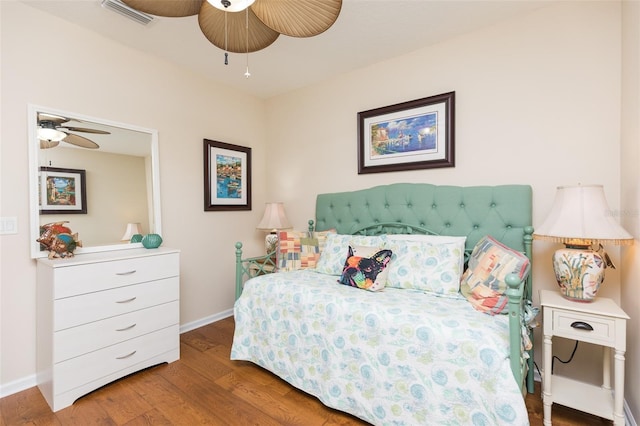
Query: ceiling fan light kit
x=52, y=130
x=246, y=26
x=47, y=131
x=231, y=5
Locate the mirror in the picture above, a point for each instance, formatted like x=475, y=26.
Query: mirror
x=97, y=190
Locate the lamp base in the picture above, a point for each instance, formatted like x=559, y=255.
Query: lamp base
x=271, y=242
x=579, y=272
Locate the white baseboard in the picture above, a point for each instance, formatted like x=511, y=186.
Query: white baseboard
x=205, y=321
x=18, y=385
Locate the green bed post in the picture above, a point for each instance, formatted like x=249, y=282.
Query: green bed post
x=514, y=294
x=528, y=243
x=238, y=269
x=311, y=227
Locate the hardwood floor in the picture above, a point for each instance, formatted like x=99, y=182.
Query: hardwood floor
x=204, y=387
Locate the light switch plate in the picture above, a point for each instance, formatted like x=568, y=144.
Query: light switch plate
x=8, y=225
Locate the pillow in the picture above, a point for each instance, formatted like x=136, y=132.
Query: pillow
x=298, y=250
x=483, y=283
x=429, y=263
x=334, y=254
x=366, y=268
x=322, y=237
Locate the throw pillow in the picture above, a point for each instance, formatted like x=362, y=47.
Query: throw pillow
x=483, y=283
x=334, y=254
x=299, y=250
x=428, y=263
x=366, y=268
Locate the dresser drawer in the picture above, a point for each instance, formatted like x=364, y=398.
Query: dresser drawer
x=91, y=277
x=90, y=337
x=92, y=366
x=603, y=328
x=75, y=311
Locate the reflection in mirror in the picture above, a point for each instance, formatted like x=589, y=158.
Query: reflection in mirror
x=97, y=175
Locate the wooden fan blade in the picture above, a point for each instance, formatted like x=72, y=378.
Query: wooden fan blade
x=80, y=141
x=170, y=8
x=297, y=18
x=212, y=24
x=56, y=119
x=85, y=130
x=48, y=144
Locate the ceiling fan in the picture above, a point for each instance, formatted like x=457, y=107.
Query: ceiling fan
x=52, y=130
x=244, y=26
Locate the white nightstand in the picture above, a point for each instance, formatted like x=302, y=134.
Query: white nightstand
x=600, y=322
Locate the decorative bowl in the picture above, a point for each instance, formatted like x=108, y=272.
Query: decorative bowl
x=136, y=238
x=151, y=241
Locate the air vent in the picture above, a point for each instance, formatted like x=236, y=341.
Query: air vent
x=123, y=9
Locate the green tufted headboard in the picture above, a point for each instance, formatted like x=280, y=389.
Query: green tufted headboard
x=502, y=211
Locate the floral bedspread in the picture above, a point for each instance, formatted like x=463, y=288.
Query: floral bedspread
x=395, y=357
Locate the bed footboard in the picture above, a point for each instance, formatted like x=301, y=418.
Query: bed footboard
x=252, y=267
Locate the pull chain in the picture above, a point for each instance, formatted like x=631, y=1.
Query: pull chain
x=247, y=74
x=226, y=35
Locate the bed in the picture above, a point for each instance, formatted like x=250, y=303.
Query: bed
x=399, y=356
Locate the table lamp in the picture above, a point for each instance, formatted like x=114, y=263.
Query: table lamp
x=580, y=218
x=132, y=229
x=274, y=219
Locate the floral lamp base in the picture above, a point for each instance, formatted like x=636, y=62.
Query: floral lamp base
x=579, y=273
x=271, y=242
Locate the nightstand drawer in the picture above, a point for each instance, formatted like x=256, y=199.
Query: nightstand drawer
x=575, y=325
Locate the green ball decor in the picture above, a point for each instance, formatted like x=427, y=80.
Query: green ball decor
x=151, y=241
x=136, y=238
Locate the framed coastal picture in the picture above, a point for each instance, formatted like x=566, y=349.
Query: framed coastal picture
x=412, y=135
x=63, y=191
x=227, y=176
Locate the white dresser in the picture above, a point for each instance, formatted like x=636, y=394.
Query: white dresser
x=102, y=316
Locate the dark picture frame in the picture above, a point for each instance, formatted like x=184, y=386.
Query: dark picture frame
x=62, y=191
x=227, y=176
x=412, y=135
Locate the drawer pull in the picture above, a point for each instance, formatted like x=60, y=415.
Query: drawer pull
x=126, y=328
x=126, y=356
x=126, y=273
x=581, y=325
x=127, y=301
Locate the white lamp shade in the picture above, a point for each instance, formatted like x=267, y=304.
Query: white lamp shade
x=231, y=5
x=581, y=213
x=132, y=229
x=274, y=217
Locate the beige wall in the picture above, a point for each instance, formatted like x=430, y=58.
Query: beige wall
x=93, y=76
x=630, y=190
x=538, y=101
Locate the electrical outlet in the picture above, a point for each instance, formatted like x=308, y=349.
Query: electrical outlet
x=8, y=225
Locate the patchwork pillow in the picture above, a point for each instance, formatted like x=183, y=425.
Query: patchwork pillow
x=366, y=268
x=335, y=250
x=483, y=283
x=429, y=263
x=299, y=250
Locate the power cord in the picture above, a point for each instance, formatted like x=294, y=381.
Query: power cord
x=564, y=362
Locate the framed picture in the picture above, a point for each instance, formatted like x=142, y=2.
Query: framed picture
x=412, y=135
x=227, y=176
x=62, y=191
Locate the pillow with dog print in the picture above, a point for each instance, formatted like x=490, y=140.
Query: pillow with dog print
x=366, y=268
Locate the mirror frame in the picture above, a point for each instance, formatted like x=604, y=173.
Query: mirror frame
x=34, y=149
